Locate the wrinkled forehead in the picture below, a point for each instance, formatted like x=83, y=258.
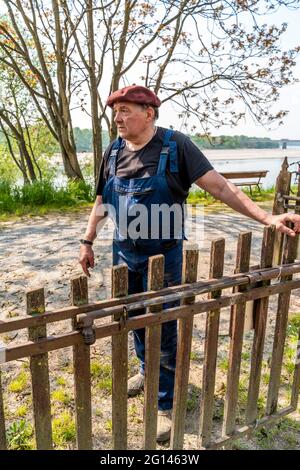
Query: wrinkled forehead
x=126, y=105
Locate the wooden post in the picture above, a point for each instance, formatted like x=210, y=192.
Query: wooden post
x=261, y=312
x=289, y=254
x=119, y=364
x=211, y=347
x=184, y=342
x=283, y=186
x=82, y=373
x=242, y=266
x=3, y=444
x=39, y=369
x=297, y=211
x=236, y=340
x=152, y=356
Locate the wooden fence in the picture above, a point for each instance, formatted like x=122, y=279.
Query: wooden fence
x=248, y=286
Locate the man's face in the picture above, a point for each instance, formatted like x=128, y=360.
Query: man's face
x=132, y=119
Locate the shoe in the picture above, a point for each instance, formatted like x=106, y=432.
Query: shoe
x=164, y=424
x=135, y=385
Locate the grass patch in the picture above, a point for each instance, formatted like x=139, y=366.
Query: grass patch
x=19, y=436
x=108, y=425
x=21, y=411
x=42, y=197
x=102, y=375
x=20, y=383
x=193, y=397
x=63, y=429
x=223, y=364
x=61, y=381
x=286, y=433
x=198, y=196
x=195, y=356
x=61, y=396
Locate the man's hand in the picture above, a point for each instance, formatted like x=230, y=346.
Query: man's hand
x=281, y=220
x=86, y=258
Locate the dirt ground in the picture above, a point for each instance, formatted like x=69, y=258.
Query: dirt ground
x=43, y=252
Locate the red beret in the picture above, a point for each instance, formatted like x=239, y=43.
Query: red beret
x=134, y=94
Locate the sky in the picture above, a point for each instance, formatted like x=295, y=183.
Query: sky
x=289, y=96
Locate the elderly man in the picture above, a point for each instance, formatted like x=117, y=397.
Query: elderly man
x=149, y=165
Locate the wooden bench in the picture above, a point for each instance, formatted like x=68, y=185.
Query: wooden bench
x=255, y=175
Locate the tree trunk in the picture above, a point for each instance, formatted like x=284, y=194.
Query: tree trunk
x=96, y=125
x=27, y=158
x=65, y=131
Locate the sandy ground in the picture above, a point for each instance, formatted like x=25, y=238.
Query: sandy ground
x=43, y=252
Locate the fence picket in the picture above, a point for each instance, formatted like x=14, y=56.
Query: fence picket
x=289, y=254
x=82, y=372
x=184, y=342
x=39, y=368
x=236, y=340
x=119, y=365
x=152, y=356
x=261, y=312
x=211, y=347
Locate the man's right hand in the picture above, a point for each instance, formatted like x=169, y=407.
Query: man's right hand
x=86, y=258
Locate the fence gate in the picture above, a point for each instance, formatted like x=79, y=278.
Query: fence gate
x=246, y=293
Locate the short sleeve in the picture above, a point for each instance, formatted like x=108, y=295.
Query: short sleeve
x=101, y=180
x=195, y=162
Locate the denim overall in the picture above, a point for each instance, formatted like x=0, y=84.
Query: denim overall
x=122, y=194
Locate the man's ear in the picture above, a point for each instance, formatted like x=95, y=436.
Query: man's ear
x=150, y=113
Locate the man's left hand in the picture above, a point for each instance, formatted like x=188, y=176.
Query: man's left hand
x=281, y=220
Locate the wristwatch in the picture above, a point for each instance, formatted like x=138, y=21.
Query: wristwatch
x=85, y=242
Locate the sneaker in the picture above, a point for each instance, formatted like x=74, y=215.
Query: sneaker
x=135, y=385
x=164, y=424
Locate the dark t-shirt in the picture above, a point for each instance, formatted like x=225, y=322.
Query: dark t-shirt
x=144, y=162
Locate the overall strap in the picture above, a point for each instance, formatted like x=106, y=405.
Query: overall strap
x=169, y=150
x=117, y=145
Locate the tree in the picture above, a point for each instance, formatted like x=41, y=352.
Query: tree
x=214, y=60
x=35, y=39
x=16, y=114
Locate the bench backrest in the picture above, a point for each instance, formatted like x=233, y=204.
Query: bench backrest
x=245, y=174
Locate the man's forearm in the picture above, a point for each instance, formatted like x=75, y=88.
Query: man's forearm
x=239, y=201
x=95, y=218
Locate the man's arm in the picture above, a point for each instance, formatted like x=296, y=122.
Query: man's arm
x=227, y=192
x=86, y=255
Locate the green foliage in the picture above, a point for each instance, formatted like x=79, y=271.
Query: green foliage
x=61, y=381
x=108, y=425
x=21, y=411
x=293, y=325
x=63, y=429
x=101, y=373
x=198, y=196
x=19, y=436
x=29, y=198
x=234, y=142
x=8, y=170
x=193, y=397
x=61, y=396
x=84, y=139
x=19, y=383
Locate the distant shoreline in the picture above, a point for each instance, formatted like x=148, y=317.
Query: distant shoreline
x=253, y=154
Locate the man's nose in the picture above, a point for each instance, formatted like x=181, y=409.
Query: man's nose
x=117, y=118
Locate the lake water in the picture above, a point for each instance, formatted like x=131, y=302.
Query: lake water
x=253, y=160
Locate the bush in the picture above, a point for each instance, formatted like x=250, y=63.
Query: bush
x=21, y=199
